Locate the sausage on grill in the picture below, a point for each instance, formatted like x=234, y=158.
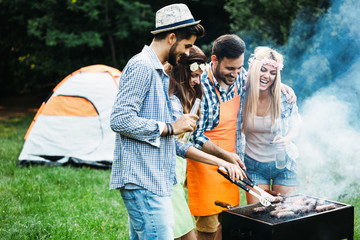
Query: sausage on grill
x=280, y=214
x=260, y=209
x=325, y=207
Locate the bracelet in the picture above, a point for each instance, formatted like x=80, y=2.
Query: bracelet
x=172, y=129
x=168, y=131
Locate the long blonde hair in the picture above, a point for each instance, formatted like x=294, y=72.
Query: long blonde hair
x=252, y=86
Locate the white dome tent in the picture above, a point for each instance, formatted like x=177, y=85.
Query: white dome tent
x=73, y=125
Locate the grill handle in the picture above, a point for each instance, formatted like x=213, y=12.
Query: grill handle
x=223, y=204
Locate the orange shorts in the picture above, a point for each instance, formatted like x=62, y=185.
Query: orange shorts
x=207, y=224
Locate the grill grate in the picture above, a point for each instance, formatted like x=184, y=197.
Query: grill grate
x=265, y=216
x=245, y=224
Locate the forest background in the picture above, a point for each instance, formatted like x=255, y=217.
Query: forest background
x=43, y=41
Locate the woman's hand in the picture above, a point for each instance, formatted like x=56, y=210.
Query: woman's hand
x=280, y=142
x=289, y=92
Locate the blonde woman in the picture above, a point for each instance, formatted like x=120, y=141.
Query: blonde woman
x=268, y=124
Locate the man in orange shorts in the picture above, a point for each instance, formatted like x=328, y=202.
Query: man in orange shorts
x=216, y=134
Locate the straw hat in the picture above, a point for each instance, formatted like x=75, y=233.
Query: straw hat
x=173, y=16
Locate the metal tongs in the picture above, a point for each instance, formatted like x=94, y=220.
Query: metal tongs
x=262, y=192
x=265, y=198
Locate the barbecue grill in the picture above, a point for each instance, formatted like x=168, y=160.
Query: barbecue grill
x=245, y=223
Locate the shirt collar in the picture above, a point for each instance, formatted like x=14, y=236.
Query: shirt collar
x=155, y=62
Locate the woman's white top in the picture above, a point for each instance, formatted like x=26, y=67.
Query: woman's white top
x=258, y=138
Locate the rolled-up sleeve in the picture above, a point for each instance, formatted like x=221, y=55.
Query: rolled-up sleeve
x=181, y=148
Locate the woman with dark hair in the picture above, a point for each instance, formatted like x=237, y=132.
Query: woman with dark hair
x=185, y=78
x=184, y=89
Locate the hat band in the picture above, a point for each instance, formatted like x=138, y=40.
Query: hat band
x=175, y=24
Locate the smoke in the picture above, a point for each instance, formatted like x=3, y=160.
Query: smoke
x=330, y=155
x=324, y=71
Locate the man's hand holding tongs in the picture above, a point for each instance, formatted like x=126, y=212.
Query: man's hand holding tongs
x=235, y=159
x=234, y=171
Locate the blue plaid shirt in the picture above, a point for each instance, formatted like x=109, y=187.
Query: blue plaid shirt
x=210, y=105
x=141, y=156
x=289, y=119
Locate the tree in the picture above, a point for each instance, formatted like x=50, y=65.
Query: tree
x=289, y=26
x=47, y=40
x=265, y=20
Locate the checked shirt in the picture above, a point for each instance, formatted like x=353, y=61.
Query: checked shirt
x=289, y=119
x=210, y=105
x=141, y=156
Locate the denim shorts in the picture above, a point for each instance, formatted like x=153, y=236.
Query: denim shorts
x=263, y=173
x=150, y=216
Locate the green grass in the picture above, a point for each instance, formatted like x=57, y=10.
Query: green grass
x=42, y=202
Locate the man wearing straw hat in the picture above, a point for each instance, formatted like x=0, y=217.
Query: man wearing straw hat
x=145, y=152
